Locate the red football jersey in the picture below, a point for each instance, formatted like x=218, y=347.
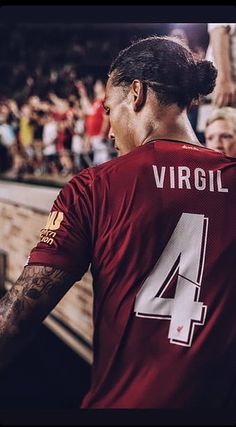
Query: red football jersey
x=158, y=227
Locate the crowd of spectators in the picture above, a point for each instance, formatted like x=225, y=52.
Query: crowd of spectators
x=52, y=82
x=55, y=136
x=52, y=122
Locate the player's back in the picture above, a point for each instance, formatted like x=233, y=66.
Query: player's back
x=164, y=278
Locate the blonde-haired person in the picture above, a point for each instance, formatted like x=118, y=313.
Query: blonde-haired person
x=220, y=130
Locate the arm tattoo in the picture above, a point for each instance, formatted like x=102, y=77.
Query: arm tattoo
x=29, y=301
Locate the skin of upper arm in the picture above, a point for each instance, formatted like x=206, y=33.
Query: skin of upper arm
x=219, y=37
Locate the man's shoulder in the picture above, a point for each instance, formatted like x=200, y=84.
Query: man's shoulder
x=114, y=165
x=120, y=166
x=122, y=162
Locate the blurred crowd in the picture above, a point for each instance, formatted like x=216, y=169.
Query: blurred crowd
x=56, y=136
x=51, y=89
x=52, y=121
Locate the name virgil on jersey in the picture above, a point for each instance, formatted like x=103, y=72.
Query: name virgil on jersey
x=182, y=177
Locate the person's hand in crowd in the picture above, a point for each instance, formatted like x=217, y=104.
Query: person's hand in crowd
x=225, y=93
x=81, y=87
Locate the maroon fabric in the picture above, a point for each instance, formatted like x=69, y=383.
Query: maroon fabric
x=155, y=219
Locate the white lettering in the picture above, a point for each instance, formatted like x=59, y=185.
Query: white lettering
x=159, y=180
x=200, y=181
x=219, y=184
x=184, y=178
x=211, y=180
x=197, y=178
x=172, y=177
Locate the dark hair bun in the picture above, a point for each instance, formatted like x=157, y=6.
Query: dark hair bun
x=168, y=66
x=206, y=74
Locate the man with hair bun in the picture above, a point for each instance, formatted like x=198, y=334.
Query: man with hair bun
x=153, y=224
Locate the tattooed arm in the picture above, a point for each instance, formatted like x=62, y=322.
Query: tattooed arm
x=26, y=304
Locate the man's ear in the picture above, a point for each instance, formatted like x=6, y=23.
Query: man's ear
x=138, y=93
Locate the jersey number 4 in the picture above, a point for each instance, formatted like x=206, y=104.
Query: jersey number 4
x=183, y=257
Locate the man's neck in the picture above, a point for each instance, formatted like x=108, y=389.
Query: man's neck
x=172, y=127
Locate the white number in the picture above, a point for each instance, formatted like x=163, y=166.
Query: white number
x=183, y=255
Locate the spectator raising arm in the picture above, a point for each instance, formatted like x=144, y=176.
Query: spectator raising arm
x=84, y=98
x=225, y=90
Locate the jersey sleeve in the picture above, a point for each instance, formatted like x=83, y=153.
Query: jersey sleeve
x=65, y=241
